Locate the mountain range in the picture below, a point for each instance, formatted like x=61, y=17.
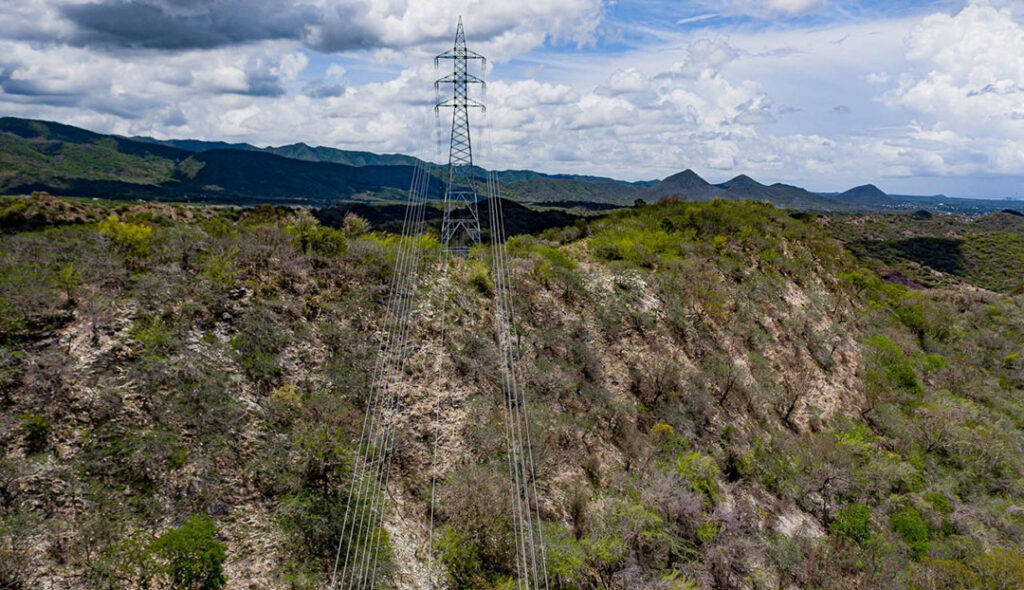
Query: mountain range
x=62, y=159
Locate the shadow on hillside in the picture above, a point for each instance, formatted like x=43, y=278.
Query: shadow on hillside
x=942, y=254
x=518, y=219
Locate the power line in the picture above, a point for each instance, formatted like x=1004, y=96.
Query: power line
x=366, y=504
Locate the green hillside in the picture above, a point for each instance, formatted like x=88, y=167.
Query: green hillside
x=987, y=251
x=724, y=396
x=34, y=152
x=65, y=160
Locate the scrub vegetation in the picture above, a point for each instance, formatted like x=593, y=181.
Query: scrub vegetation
x=724, y=395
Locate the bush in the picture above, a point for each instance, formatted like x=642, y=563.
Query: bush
x=310, y=236
x=354, y=226
x=134, y=238
x=853, y=522
x=889, y=369
x=192, y=556
x=915, y=532
x=154, y=335
x=701, y=472
x=221, y=268
x=37, y=430
x=480, y=279
x=461, y=559
x=259, y=341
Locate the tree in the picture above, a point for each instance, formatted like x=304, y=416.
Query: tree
x=193, y=557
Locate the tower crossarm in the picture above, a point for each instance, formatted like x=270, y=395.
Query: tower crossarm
x=460, y=54
x=464, y=77
x=452, y=103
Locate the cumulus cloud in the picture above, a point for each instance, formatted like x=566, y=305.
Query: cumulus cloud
x=252, y=71
x=705, y=56
x=321, y=25
x=967, y=87
x=332, y=83
x=628, y=81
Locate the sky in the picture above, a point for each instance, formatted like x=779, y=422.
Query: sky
x=915, y=96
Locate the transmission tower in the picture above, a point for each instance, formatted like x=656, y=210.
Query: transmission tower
x=358, y=563
x=460, y=227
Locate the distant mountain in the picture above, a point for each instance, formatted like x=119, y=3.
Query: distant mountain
x=61, y=159
x=38, y=155
x=302, y=151
x=690, y=186
x=66, y=160
x=528, y=175
x=522, y=185
x=196, y=145
x=867, y=194
x=744, y=188
x=686, y=184
x=547, y=189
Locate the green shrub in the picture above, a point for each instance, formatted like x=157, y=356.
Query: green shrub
x=853, y=522
x=134, y=238
x=153, y=334
x=192, y=556
x=889, y=369
x=701, y=472
x=67, y=279
x=940, y=502
x=1011, y=361
x=461, y=560
x=36, y=429
x=480, y=279
x=354, y=226
x=310, y=236
x=218, y=227
x=915, y=532
x=259, y=341
x=221, y=268
x=11, y=322
x=707, y=531
x=566, y=558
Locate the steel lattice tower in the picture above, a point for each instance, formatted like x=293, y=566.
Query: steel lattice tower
x=460, y=227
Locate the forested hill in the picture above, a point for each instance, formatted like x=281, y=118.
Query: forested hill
x=724, y=396
x=66, y=160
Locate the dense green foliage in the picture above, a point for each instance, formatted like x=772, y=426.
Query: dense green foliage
x=723, y=397
x=192, y=557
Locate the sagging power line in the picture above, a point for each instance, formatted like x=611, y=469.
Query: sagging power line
x=358, y=556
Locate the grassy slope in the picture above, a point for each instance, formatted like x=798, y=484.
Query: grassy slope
x=33, y=152
x=722, y=399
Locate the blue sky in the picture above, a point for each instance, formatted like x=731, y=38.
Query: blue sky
x=914, y=96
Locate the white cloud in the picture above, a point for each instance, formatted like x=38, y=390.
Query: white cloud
x=704, y=57
x=967, y=87
x=628, y=81
x=919, y=97
x=503, y=28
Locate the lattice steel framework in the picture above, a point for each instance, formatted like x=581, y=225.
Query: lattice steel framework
x=460, y=227
x=360, y=557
